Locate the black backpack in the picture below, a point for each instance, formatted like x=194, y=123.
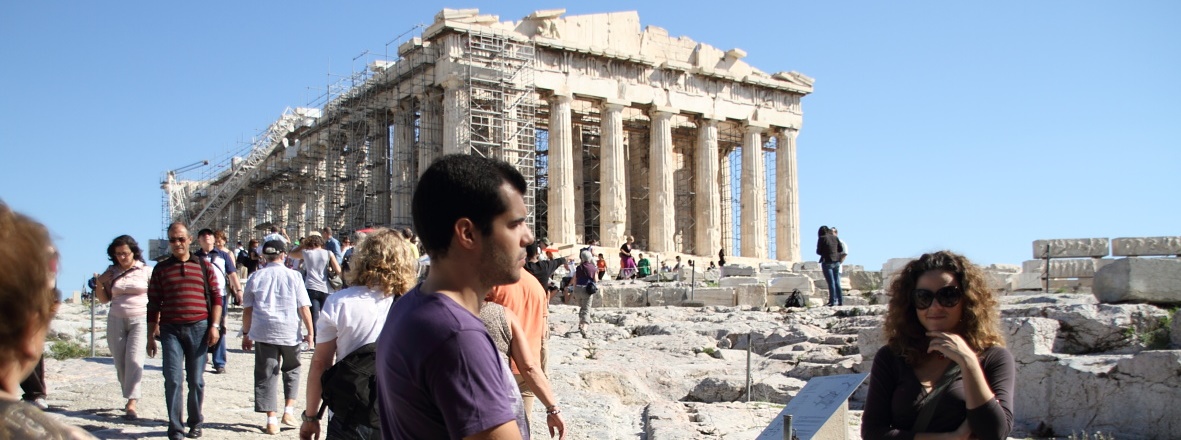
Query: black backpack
x=349, y=387
x=796, y=299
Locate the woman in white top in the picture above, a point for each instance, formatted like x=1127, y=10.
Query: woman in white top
x=125, y=285
x=383, y=267
x=316, y=260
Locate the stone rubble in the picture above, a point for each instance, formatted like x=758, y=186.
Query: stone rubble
x=667, y=360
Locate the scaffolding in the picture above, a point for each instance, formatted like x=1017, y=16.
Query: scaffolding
x=502, y=104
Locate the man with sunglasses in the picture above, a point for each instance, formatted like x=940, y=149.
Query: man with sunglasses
x=184, y=312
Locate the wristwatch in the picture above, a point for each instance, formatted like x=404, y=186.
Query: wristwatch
x=306, y=418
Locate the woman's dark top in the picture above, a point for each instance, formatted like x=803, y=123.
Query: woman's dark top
x=894, y=390
x=829, y=249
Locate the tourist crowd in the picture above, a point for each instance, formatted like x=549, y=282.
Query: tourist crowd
x=455, y=351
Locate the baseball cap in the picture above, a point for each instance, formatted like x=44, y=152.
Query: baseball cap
x=274, y=247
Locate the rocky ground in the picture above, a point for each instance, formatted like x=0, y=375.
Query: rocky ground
x=667, y=372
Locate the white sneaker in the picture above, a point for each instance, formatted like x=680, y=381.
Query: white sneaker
x=40, y=403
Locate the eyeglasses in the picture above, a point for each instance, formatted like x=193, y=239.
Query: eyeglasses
x=122, y=254
x=948, y=297
x=178, y=239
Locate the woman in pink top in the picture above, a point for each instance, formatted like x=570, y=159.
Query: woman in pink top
x=125, y=286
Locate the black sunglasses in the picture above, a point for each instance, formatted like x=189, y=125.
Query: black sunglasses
x=177, y=239
x=948, y=297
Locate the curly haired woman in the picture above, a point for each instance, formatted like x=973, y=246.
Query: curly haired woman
x=944, y=372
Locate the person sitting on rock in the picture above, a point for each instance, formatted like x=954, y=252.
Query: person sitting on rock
x=945, y=351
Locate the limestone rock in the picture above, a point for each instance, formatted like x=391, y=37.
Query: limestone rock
x=737, y=270
x=1071, y=248
x=1066, y=268
x=775, y=266
x=737, y=281
x=806, y=266
x=863, y=280
x=893, y=265
x=1146, y=246
x=1151, y=280
x=1030, y=339
x=1175, y=331
x=786, y=284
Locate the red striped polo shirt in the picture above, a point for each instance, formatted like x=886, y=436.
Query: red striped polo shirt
x=176, y=294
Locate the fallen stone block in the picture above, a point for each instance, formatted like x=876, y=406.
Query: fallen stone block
x=893, y=265
x=737, y=281
x=776, y=266
x=1070, y=268
x=1071, y=248
x=750, y=295
x=805, y=265
x=737, y=270
x=713, y=296
x=862, y=280
x=787, y=284
x=1026, y=281
x=1146, y=246
x=1144, y=280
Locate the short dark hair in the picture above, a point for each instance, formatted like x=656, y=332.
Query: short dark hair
x=124, y=240
x=531, y=250
x=460, y=186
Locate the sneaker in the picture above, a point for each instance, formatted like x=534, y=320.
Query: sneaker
x=289, y=419
x=219, y=370
x=194, y=432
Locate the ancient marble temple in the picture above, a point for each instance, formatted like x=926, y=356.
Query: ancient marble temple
x=622, y=130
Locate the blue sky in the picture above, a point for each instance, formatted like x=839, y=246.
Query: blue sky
x=974, y=126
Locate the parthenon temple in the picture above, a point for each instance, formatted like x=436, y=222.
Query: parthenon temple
x=620, y=131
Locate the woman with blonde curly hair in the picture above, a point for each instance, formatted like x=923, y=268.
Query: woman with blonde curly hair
x=383, y=267
x=944, y=372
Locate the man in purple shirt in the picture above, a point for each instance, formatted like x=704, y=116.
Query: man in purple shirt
x=438, y=372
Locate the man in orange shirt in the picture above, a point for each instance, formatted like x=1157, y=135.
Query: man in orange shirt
x=528, y=300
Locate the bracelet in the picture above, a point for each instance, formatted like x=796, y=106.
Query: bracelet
x=553, y=412
x=307, y=418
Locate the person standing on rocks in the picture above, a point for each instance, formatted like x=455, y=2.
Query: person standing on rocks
x=944, y=350
x=383, y=268
x=184, y=312
x=627, y=262
x=274, y=305
x=125, y=285
x=830, y=250
x=584, y=275
x=440, y=374
x=542, y=270
x=29, y=302
x=227, y=281
x=644, y=267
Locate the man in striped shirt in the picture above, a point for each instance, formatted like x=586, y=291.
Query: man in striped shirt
x=184, y=312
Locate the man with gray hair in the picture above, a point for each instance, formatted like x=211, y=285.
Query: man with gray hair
x=275, y=303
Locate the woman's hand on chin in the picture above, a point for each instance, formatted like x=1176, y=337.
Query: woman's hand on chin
x=951, y=346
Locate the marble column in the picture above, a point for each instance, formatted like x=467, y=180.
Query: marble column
x=405, y=165
x=612, y=192
x=561, y=171
x=249, y=218
x=429, y=129
x=754, y=194
x=579, y=185
x=725, y=183
x=380, y=171
x=661, y=214
x=708, y=194
x=320, y=202
x=455, y=124
x=787, y=198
